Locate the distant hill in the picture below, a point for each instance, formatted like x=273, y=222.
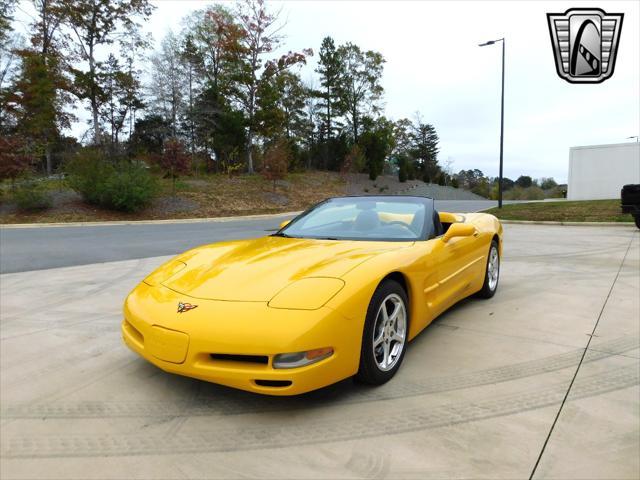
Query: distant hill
x=440, y=192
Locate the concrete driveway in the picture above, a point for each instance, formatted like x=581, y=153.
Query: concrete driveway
x=503, y=388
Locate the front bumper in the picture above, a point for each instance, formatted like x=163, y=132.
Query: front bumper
x=247, y=335
x=630, y=208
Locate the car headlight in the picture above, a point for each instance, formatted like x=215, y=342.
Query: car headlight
x=307, y=294
x=301, y=359
x=164, y=272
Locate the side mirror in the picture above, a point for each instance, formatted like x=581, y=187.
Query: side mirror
x=283, y=224
x=458, y=230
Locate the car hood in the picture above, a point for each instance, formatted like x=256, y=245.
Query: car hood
x=255, y=270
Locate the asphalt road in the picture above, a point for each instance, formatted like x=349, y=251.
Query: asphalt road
x=26, y=249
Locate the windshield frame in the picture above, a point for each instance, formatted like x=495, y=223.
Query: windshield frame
x=427, y=232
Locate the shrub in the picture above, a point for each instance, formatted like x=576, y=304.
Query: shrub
x=32, y=195
x=276, y=162
x=174, y=161
x=88, y=174
x=14, y=161
x=353, y=162
x=127, y=187
x=530, y=193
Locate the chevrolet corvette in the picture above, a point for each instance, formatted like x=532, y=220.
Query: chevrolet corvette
x=337, y=292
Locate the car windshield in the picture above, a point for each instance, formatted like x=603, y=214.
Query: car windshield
x=365, y=218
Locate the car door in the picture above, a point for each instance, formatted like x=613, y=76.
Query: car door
x=457, y=262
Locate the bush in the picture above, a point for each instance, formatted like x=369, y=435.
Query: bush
x=127, y=187
x=174, y=161
x=88, y=175
x=31, y=195
x=14, y=161
x=276, y=162
x=519, y=193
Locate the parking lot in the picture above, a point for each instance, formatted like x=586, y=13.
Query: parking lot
x=493, y=389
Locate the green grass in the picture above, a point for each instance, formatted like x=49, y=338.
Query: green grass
x=582, y=211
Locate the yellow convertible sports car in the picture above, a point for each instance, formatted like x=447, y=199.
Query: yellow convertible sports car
x=337, y=292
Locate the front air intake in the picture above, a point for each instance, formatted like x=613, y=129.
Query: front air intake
x=226, y=357
x=273, y=383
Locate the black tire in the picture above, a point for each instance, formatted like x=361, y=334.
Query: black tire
x=487, y=290
x=370, y=371
x=637, y=220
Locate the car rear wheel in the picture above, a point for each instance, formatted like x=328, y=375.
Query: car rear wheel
x=492, y=272
x=384, y=339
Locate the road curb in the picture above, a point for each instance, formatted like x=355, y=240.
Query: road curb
x=568, y=224
x=145, y=222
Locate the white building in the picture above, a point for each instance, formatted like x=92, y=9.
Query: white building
x=600, y=171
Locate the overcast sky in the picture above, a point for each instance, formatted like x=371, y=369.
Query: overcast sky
x=434, y=66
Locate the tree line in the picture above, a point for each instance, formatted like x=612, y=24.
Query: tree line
x=213, y=96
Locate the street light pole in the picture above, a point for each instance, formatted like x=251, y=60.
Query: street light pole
x=491, y=42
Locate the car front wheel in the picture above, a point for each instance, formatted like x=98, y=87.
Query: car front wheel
x=384, y=339
x=492, y=272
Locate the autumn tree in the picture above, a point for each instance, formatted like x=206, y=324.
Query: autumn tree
x=215, y=41
x=14, y=159
x=97, y=23
x=174, y=161
x=360, y=86
x=212, y=51
x=354, y=161
x=260, y=36
x=276, y=162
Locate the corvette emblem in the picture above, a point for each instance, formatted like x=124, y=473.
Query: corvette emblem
x=185, y=307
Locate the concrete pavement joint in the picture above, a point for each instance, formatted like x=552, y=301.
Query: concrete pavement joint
x=586, y=349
